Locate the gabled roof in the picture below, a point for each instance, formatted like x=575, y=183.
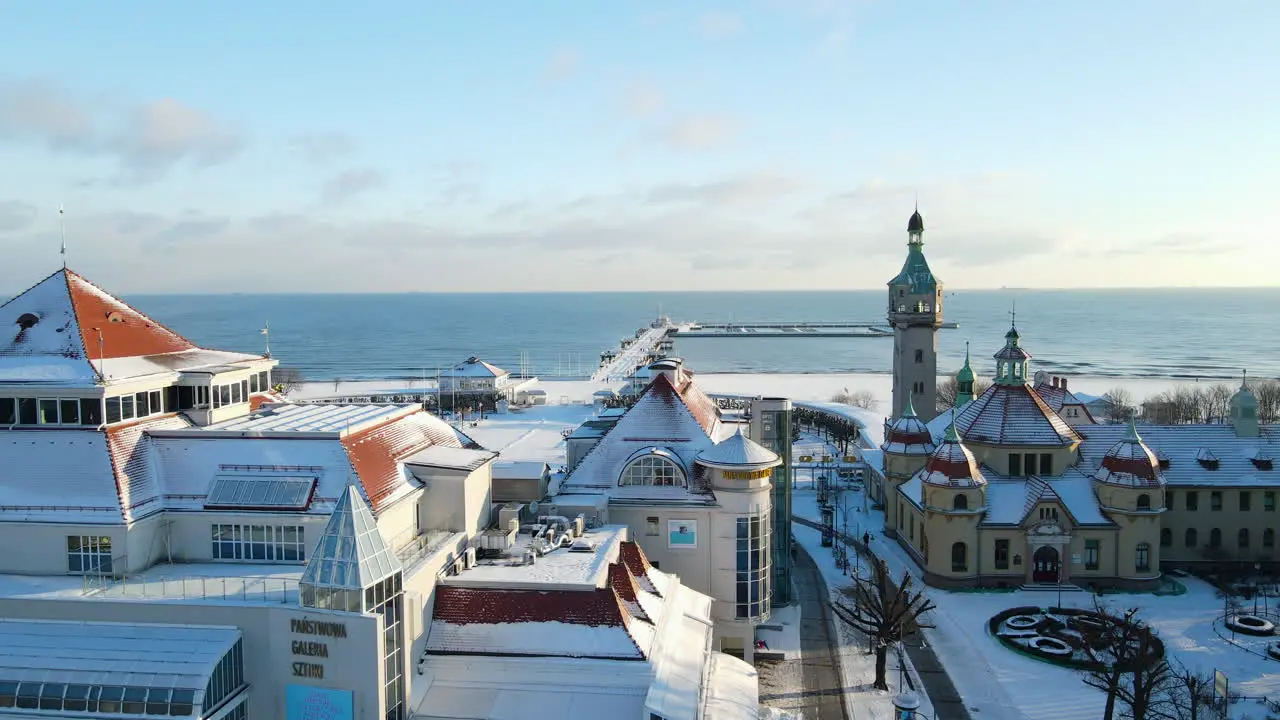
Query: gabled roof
x=1058, y=397
x=61, y=330
x=1011, y=499
x=376, y=453
x=1008, y=415
x=473, y=367
x=682, y=421
x=351, y=554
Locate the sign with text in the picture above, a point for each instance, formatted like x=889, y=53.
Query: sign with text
x=312, y=703
x=308, y=653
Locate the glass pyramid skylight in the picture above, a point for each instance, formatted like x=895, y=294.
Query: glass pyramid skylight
x=351, y=555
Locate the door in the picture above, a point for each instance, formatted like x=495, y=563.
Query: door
x=1045, y=568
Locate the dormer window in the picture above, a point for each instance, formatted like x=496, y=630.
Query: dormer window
x=1262, y=460
x=1163, y=459
x=1207, y=459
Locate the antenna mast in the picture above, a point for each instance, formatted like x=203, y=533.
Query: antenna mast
x=62, y=229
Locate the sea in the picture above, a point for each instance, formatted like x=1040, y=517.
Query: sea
x=1147, y=333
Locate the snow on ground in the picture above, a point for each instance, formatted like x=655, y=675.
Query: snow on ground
x=1028, y=689
x=810, y=387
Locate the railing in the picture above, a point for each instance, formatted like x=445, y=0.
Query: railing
x=231, y=588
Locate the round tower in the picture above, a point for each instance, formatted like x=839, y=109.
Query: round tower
x=907, y=444
x=954, y=496
x=915, y=314
x=1131, y=489
x=740, y=473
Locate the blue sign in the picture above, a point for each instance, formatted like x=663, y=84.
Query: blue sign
x=682, y=533
x=302, y=702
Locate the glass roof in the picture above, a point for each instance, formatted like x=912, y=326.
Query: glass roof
x=268, y=492
x=351, y=554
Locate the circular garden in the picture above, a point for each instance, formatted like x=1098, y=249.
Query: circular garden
x=1069, y=637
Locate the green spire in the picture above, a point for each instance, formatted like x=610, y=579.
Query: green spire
x=909, y=411
x=964, y=381
x=1132, y=435
x=952, y=435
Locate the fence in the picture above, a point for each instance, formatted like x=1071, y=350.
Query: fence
x=264, y=589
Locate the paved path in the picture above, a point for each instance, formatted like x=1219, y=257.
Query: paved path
x=937, y=683
x=819, y=665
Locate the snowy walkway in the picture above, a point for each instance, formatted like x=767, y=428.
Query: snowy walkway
x=625, y=363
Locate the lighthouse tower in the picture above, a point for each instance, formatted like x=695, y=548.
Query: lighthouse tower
x=915, y=314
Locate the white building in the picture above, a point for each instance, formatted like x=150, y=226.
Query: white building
x=185, y=545
x=475, y=377
x=694, y=491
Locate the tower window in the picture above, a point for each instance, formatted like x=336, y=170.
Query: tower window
x=919, y=356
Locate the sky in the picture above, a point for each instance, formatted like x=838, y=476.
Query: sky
x=663, y=145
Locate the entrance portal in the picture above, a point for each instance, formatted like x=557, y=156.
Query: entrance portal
x=1045, y=569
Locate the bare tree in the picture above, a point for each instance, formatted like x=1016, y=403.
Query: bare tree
x=1129, y=667
x=1268, y=394
x=1217, y=400
x=884, y=613
x=864, y=399
x=1119, y=405
x=948, y=390
x=286, y=379
x=1189, y=695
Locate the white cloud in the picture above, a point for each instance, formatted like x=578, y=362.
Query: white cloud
x=350, y=183
x=698, y=133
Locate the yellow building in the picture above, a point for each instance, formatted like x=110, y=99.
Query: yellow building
x=1003, y=490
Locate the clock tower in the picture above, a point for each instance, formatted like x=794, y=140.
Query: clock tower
x=915, y=314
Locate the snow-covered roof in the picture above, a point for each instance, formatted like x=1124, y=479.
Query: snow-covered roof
x=66, y=331
x=913, y=490
x=473, y=367
x=113, y=654
x=561, y=568
x=680, y=420
x=1007, y=415
x=1009, y=499
x=453, y=458
x=1129, y=462
x=738, y=451
x=908, y=435
x=1058, y=396
x=951, y=465
x=519, y=469
x=326, y=418
x=1182, y=445
x=870, y=423
x=733, y=689
x=351, y=554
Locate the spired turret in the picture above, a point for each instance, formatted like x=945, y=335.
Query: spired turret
x=1012, y=361
x=964, y=381
x=1244, y=410
x=915, y=314
x=907, y=445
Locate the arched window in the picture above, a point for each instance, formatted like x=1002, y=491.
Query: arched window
x=960, y=502
x=1268, y=538
x=1142, y=557
x=1166, y=537
x=655, y=467
x=959, y=557
x=1242, y=538
x=1215, y=538
x=1144, y=502
x=1191, y=541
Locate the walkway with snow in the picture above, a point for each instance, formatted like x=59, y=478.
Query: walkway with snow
x=819, y=667
x=626, y=361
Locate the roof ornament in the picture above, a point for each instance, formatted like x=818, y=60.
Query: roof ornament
x=952, y=435
x=909, y=410
x=1132, y=434
x=1013, y=315
x=62, y=229
x=1244, y=379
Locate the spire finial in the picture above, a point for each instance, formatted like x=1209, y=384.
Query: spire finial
x=966, y=353
x=1132, y=435
x=1013, y=314
x=909, y=410
x=952, y=435
x=1244, y=379
x=62, y=229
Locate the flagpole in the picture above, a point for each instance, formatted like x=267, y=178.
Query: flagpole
x=62, y=229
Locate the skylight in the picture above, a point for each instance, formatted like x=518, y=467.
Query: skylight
x=260, y=493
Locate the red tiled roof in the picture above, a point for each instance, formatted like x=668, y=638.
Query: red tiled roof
x=705, y=410
x=637, y=563
x=952, y=465
x=375, y=453
x=125, y=331
x=465, y=606
x=128, y=446
x=257, y=400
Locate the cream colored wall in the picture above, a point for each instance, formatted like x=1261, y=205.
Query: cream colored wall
x=897, y=470
x=41, y=549
x=191, y=534
x=997, y=456
x=420, y=593
x=985, y=554
x=443, y=504
x=354, y=662
x=1230, y=519
x=693, y=565
x=943, y=531
x=398, y=522
x=477, y=495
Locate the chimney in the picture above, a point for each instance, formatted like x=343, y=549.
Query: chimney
x=669, y=368
x=1064, y=383
x=1054, y=381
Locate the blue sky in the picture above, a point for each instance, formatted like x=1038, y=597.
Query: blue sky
x=213, y=146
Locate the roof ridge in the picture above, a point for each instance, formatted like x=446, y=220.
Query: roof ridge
x=69, y=273
x=31, y=287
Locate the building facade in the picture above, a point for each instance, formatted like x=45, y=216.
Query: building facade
x=1013, y=488
x=193, y=546
x=695, y=492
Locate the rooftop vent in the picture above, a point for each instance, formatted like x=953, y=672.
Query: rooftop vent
x=26, y=321
x=1262, y=460
x=1163, y=459
x=115, y=317
x=582, y=545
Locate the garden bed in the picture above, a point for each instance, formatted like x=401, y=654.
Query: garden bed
x=1068, y=637
x=1250, y=625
